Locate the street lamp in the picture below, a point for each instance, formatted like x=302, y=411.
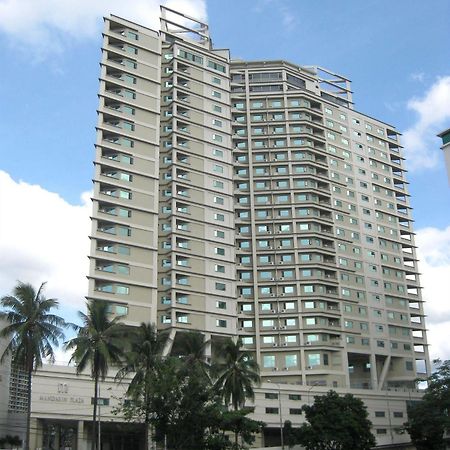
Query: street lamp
x=316, y=383
x=281, y=414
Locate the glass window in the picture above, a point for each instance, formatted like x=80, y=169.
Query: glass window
x=314, y=359
x=269, y=361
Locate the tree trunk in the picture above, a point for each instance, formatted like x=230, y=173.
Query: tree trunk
x=27, y=431
x=94, y=414
x=148, y=441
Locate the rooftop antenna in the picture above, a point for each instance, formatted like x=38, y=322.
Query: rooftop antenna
x=188, y=27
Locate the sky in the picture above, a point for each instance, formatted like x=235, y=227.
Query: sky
x=395, y=53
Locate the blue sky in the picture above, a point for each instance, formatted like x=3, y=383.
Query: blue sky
x=395, y=53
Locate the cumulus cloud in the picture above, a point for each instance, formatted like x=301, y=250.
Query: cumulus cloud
x=46, y=26
x=433, y=111
x=44, y=238
x=434, y=255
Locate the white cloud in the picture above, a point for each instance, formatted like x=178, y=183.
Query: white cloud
x=433, y=110
x=44, y=238
x=47, y=26
x=434, y=255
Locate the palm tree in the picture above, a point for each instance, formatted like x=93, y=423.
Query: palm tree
x=33, y=331
x=191, y=346
x=143, y=359
x=237, y=373
x=98, y=344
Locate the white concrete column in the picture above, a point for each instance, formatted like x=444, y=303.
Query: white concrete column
x=373, y=371
x=35, y=434
x=81, y=436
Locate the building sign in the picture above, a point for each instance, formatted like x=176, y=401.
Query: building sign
x=62, y=389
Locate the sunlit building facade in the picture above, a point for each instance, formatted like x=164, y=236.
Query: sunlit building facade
x=252, y=200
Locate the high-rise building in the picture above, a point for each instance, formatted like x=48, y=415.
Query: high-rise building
x=252, y=199
x=445, y=136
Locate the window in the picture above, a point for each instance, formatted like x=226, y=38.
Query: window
x=314, y=359
x=269, y=362
x=219, y=268
x=271, y=395
x=220, y=286
x=182, y=318
x=190, y=56
x=216, y=66
x=221, y=323
x=291, y=361
x=271, y=410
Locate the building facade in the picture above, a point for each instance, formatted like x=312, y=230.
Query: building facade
x=252, y=200
x=445, y=136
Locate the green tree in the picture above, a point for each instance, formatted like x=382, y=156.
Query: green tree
x=190, y=347
x=336, y=423
x=98, y=345
x=175, y=394
x=237, y=373
x=33, y=331
x=428, y=419
x=241, y=426
x=426, y=425
x=143, y=361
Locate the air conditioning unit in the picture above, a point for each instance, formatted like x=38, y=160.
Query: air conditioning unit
x=273, y=310
x=274, y=328
x=308, y=343
x=286, y=368
x=281, y=262
x=272, y=279
x=283, y=310
x=274, y=369
x=271, y=262
x=241, y=328
x=275, y=345
x=282, y=327
x=272, y=295
x=309, y=367
x=282, y=295
x=281, y=278
x=269, y=232
x=285, y=344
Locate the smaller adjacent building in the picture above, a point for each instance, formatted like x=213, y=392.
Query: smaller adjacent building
x=62, y=412
x=445, y=135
